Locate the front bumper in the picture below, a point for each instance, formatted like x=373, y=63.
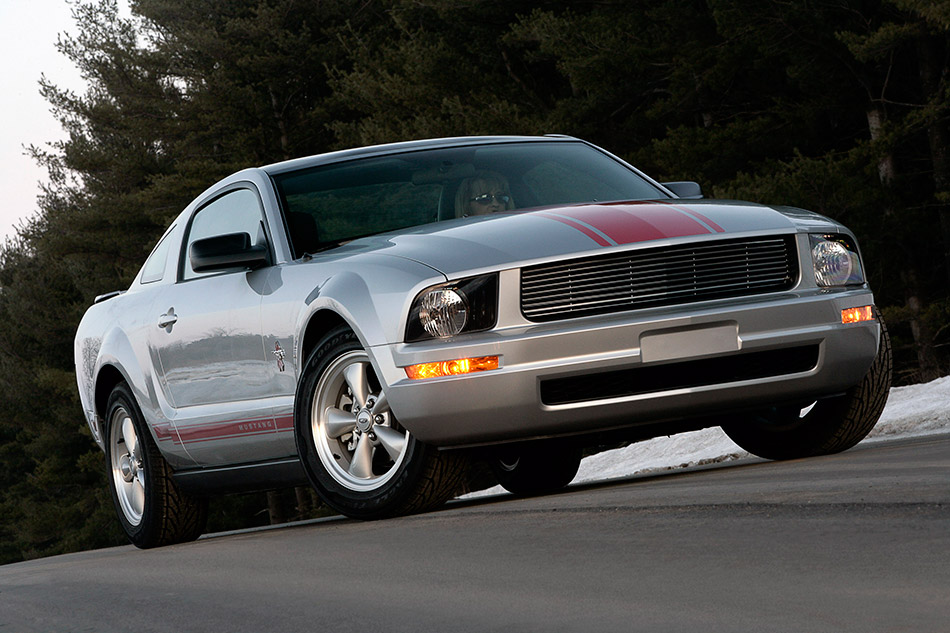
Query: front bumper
x=515, y=401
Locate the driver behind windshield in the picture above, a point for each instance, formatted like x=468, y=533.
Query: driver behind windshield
x=486, y=192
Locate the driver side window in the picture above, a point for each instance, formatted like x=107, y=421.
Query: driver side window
x=238, y=211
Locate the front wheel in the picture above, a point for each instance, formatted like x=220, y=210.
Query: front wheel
x=535, y=468
x=358, y=457
x=151, y=507
x=827, y=426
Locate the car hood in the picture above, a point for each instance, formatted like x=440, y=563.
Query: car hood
x=522, y=238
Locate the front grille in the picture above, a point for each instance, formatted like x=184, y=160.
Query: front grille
x=681, y=375
x=661, y=276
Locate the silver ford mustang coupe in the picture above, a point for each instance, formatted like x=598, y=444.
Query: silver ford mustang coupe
x=376, y=320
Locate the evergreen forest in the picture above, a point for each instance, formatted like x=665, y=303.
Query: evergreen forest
x=838, y=106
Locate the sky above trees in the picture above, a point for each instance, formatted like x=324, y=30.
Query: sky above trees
x=28, y=33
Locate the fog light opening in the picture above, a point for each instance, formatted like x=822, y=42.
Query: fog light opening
x=456, y=367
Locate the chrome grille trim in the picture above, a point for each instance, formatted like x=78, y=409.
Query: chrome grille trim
x=651, y=277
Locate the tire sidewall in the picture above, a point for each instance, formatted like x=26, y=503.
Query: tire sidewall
x=776, y=434
x=384, y=501
x=536, y=468
x=832, y=425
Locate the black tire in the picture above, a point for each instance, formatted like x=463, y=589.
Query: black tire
x=829, y=426
x=536, y=468
x=152, y=509
x=358, y=457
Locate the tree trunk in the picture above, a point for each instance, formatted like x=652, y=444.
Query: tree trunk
x=931, y=54
x=885, y=165
x=304, y=501
x=281, y=124
x=275, y=508
x=928, y=366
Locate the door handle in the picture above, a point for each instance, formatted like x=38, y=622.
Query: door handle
x=168, y=319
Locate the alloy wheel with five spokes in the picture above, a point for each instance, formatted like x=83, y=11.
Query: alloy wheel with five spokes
x=354, y=432
x=128, y=469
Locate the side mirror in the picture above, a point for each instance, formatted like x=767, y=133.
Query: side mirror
x=223, y=252
x=685, y=189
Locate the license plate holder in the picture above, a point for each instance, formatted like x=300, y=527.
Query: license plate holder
x=689, y=342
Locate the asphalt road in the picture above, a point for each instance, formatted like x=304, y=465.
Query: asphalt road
x=852, y=542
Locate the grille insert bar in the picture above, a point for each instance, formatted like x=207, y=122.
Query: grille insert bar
x=682, y=375
x=661, y=276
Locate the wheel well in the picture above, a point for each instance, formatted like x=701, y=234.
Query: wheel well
x=320, y=323
x=108, y=378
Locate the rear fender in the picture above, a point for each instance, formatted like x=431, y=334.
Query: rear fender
x=117, y=360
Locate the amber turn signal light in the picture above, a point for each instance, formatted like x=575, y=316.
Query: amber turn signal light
x=856, y=315
x=452, y=367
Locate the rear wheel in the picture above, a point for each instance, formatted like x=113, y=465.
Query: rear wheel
x=827, y=426
x=152, y=509
x=359, y=458
x=536, y=468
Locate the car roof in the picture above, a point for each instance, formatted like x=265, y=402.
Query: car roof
x=405, y=146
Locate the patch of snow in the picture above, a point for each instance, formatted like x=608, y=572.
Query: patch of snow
x=915, y=410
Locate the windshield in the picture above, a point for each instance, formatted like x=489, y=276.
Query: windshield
x=330, y=204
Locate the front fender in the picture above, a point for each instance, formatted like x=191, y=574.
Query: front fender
x=371, y=293
x=348, y=296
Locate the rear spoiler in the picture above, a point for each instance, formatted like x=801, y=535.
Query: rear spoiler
x=108, y=295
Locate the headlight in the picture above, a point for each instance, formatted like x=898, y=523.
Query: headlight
x=836, y=261
x=443, y=312
x=467, y=305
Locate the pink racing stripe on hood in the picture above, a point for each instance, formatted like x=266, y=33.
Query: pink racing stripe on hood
x=627, y=223
x=586, y=230
x=699, y=216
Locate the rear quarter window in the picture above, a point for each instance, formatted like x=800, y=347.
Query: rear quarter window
x=154, y=268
